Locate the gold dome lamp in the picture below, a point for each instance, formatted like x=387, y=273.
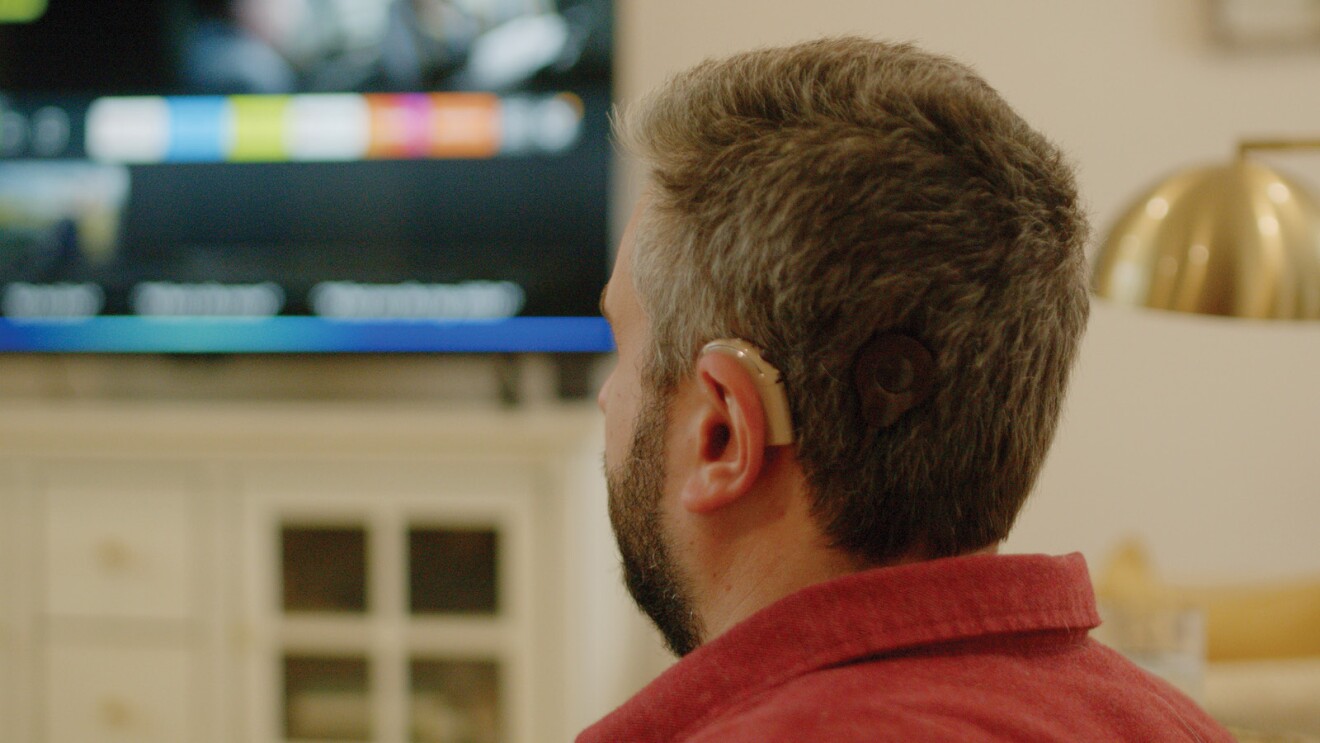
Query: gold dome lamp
x=1238, y=239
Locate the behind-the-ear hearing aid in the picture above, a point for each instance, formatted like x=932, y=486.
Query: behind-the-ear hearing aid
x=769, y=384
x=893, y=374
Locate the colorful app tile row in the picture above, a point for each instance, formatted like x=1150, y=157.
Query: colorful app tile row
x=329, y=127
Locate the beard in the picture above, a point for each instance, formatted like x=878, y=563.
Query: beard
x=649, y=571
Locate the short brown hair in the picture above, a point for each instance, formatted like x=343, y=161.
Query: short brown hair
x=806, y=198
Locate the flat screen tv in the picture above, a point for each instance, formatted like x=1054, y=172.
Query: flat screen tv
x=234, y=176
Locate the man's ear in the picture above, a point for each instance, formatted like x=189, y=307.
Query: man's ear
x=731, y=434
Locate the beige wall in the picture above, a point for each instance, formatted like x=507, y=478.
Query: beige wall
x=1202, y=436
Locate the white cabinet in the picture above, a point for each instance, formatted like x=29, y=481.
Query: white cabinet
x=219, y=573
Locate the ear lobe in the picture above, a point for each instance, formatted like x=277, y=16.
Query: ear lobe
x=731, y=435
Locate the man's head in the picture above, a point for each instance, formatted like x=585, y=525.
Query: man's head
x=810, y=199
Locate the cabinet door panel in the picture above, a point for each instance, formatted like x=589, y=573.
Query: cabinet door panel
x=114, y=694
x=123, y=548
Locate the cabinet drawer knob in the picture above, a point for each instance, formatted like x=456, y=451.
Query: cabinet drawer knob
x=114, y=554
x=116, y=713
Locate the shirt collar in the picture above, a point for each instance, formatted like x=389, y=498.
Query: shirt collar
x=864, y=614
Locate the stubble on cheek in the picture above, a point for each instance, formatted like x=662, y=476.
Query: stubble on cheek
x=651, y=574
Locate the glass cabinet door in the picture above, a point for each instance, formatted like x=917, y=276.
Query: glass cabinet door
x=399, y=617
x=454, y=701
x=324, y=569
x=453, y=571
x=325, y=698
x=325, y=667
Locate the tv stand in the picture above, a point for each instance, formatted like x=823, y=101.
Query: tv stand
x=258, y=570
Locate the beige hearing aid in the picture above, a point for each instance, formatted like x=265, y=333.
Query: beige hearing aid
x=769, y=383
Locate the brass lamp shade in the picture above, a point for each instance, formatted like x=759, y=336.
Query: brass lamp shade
x=1237, y=240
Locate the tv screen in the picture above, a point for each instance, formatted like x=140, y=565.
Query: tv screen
x=228, y=176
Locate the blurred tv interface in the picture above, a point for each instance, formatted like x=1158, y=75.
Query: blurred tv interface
x=402, y=167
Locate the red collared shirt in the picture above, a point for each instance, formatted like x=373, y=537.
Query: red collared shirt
x=981, y=648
